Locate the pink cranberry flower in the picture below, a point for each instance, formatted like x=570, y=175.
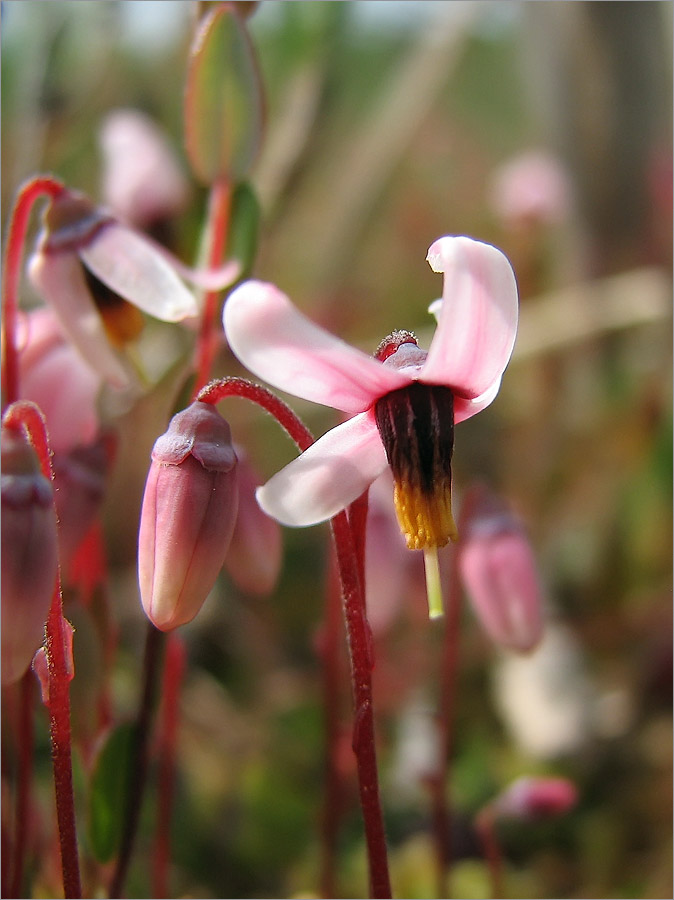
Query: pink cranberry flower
x=499, y=573
x=188, y=515
x=403, y=403
x=98, y=274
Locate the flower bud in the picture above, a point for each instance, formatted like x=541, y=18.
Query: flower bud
x=188, y=515
x=532, y=798
x=499, y=574
x=29, y=553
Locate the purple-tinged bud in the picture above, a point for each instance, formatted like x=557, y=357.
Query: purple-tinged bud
x=499, y=574
x=29, y=553
x=188, y=515
x=532, y=798
x=254, y=557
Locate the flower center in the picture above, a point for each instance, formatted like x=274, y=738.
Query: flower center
x=416, y=425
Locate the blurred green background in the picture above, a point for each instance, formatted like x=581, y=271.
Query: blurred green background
x=388, y=124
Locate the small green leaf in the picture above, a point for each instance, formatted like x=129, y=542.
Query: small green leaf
x=244, y=227
x=109, y=792
x=223, y=99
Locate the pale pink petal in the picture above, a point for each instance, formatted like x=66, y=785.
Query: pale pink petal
x=131, y=266
x=59, y=278
x=328, y=476
x=478, y=318
x=279, y=344
x=464, y=408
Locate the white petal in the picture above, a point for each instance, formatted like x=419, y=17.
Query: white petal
x=328, y=476
x=59, y=278
x=477, y=322
x=134, y=269
x=279, y=344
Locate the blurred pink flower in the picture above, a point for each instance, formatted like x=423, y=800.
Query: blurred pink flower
x=29, y=553
x=532, y=798
x=87, y=265
x=142, y=178
x=499, y=573
x=188, y=514
x=531, y=187
x=253, y=560
x=403, y=404
x=55, y=377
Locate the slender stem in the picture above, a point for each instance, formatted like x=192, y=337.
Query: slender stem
x=217, y=230
x=440, y=783
x=486, y=829
x=154, y=643
x=28, y=193
x=349, y=562
x=360, y=649
x=174, y=668
x=58, y=647
x=333, y=799
x=25, y=771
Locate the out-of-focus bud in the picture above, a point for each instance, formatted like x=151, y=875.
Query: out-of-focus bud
x=79, y=483
x=499, y=574
x=188, y=515
x=29, y=553
x=55, y=377
x=532, y=798
x=142, y=179
x=532, y=188
x=223, y=98
x=254, y=557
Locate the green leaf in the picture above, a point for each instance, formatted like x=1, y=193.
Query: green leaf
x=223, y=99
x=244, y=227
x=109, y=792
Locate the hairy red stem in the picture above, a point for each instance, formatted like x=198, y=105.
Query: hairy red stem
x=29, y=192
x=26, y=415
x=333, y=798
x=357, y=628
x=217, y=230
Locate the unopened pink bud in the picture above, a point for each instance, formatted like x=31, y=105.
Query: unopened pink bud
x=29, y=553
x=188, y=515
x=254, y=556
x=499, y=574
x=532, y=798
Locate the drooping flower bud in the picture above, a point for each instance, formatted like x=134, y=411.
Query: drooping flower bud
x=188, y=515
x=499, y=573
x=29, y=553
x=532, y=798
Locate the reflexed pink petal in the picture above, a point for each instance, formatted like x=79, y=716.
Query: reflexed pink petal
x=328, y=476
x=279, y=344
x=478, y=319
x=464, y=409
x=132, y=267
x=59, y=278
